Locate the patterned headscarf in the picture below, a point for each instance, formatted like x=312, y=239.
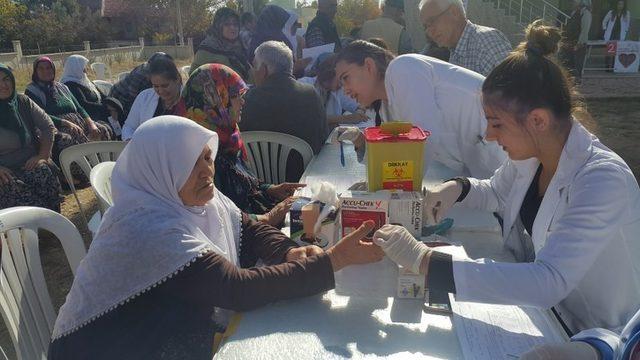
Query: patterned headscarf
x=10, y=118
x=207, y=101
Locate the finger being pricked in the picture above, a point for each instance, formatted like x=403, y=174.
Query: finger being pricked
x=369, y=252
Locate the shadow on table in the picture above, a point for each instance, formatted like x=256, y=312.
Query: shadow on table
x=331, y=326
x=360, y=323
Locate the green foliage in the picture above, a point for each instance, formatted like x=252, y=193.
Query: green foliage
x=10, y=26
x=161, y=38
x=51, y=25
x=353, y=13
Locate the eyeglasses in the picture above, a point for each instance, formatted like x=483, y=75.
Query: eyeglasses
x=434, y=19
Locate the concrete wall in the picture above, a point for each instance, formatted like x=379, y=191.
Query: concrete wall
x=107, y=56
x=485, y=13
x=8, y=58
x=177, y=52
x=129, y=53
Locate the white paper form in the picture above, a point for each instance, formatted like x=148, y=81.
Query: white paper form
x=316, y=51
x=487, y=331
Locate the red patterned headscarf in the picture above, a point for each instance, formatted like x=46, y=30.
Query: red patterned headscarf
x=207, y=100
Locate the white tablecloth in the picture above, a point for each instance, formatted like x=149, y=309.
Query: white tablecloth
x=361, y=318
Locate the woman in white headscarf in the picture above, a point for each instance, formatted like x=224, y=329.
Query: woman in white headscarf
x=168, y=254
x=74, y=76
x=289, y=30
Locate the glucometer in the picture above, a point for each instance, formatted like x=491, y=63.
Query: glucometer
x=437, y=303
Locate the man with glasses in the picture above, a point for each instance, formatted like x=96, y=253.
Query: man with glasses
x=475, y=47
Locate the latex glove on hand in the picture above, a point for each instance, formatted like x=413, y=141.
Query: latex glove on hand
x=347, y=133
x=352, y=134
x=401, y=247
x=438, y=200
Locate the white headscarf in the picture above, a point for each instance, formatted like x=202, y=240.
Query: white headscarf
x=286, y=30
x=74, y=72
x=149, y=235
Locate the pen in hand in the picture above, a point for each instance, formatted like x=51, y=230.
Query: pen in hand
x=342, y=153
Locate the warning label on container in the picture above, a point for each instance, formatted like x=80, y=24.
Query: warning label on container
x=397, y=175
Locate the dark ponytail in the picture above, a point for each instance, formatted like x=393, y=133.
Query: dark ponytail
x=530, y=78
x=357, y=51
x=165, y=67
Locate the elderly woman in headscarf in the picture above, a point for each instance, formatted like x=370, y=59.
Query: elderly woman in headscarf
x=74, y=76
x=213, y=98
x=223, y=44
x=278, y=24
x=164, y=271
x=28, y=177
x=74, y=124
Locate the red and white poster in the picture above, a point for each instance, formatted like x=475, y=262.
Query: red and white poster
x=627, y=57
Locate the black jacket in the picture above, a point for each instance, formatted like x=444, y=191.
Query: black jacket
x=284, y=105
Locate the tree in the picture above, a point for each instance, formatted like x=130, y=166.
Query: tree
x=353, y=13
x=10, y=25
x=34, y=5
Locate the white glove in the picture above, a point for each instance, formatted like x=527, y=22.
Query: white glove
x=348, y=133
x=400, y=246
x=438, y=200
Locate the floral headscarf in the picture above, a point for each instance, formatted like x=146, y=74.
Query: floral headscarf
x=207, y=101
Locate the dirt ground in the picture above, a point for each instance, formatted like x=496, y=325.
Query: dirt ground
x=618, y=127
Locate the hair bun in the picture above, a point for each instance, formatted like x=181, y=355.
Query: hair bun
x=541, y=39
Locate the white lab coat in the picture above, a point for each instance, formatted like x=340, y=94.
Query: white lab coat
x=586, y=238
x=143, y=108
x=609, y=21
x=446, y=100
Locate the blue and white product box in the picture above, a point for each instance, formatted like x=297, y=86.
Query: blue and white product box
x=410, y=285
x=328, y=230
x=405, y=208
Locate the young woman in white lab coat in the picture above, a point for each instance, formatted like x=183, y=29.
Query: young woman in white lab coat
x=571, y=206
x=432, y=94
x=618, y=19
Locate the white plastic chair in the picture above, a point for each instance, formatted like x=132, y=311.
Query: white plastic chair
x=25, y=303
x=88, y=155
x=100, y=179
x=103, y=86
x=186, y=70
x=123, y=75
x=268, y=153
x=101, y=70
